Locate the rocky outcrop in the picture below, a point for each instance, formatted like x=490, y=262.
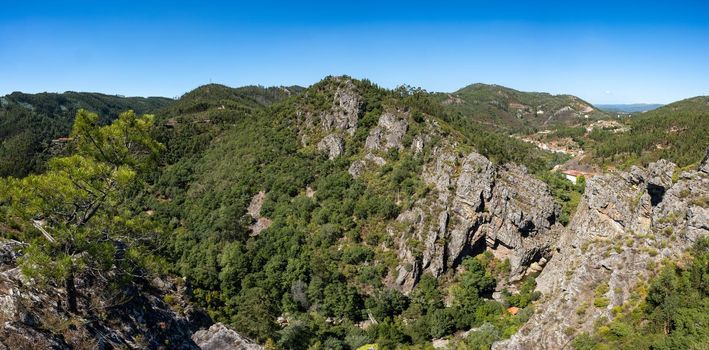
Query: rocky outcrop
x=346, y=108
x=474, y=205
x=625, y=225
x=389, y=133
x=360, y=166
x=327, y=125
x=151, y=314
x=332, y=145
x=258, y=222
x=221, y=337
x=523, y=215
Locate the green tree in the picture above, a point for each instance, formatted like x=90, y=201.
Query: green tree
x=387, y=303
x=256, y=315
x=77, y=206
x=475, y=282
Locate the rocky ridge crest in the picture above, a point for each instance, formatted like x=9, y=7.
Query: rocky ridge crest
x=473, y=204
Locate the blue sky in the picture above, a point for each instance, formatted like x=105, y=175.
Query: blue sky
x=602, y=51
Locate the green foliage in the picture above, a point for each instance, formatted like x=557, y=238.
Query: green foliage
x=387, y=303
x=76, y=215
x=565, y=192
x=256, y=313
x=526, y=294
x=483, y=338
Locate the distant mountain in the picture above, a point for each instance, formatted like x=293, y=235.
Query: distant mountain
x=512, y=110
x=629, y=108
x=216, y=95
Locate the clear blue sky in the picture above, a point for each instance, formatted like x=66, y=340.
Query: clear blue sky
x=603, y=51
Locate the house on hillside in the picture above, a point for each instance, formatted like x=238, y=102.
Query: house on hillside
x=573, y=175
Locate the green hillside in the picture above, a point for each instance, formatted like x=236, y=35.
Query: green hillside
x=294, y=247
x=29, y=122
x=678, y=132
x=216, y=95
x=507, y=109
x=325, y=255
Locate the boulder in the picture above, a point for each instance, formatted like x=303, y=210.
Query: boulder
x=332, y=145
x=221, y=337
x=388, y=134
x=360, y=166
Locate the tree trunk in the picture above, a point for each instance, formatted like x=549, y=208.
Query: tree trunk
x=71, y=291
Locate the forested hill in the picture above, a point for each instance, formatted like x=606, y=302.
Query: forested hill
x=677, y=132
x=299, y=209
x=506, y=109
x=303, y=221
x=29, y=122
x=188, y=126
x=216, y=95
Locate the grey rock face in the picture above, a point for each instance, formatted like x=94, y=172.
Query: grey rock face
x=625, y=225
x=475, y=204
x=524, y=213
x=143, y=321
x=339, y=118
x=359, y=166
x=346, y=108
x=474, y=185
x=418, y=144
x=220, y=337
x=388, y=133
x=704, y=167
x=333, y=145
x=259, y=223
x=438, y=173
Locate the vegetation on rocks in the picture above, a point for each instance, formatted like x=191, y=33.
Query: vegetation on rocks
x=672, y=315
